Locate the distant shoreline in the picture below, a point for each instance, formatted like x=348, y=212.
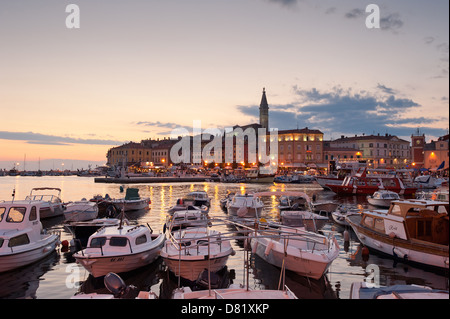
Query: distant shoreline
x=137, y=180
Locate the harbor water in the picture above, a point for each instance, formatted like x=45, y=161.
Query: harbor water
x=59, y=277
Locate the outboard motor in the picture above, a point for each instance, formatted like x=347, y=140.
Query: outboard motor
x=118, y=288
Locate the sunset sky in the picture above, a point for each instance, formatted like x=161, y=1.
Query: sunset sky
x=137, y=69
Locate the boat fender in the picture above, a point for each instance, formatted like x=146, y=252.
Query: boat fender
x=346, y=236
x=399, y=253
x=242, y=211
x=365, y=251
x=255, y=246
x=268, y=248
x=392, y=235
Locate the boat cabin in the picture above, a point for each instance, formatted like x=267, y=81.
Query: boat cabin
x=112, y=240
x=412, y=219
x=19, y=223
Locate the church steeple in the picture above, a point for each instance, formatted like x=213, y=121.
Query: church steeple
x=264, y=111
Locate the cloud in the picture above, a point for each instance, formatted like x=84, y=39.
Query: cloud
x=43, y=139
x=346, y=111
x=354, y=13
x=288, y=3
x=385, y=89
x=391, y=22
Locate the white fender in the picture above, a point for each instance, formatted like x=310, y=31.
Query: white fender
x=268, y=248
x=400, y=252
x=255, y=246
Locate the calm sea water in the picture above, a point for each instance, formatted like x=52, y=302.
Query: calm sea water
x=59, y=277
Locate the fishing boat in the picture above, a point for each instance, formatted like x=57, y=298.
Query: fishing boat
x=245, y=206
x=305, y=253
x=362, y=183
x=120, y=249
x=189, y=251
x=362, y=290
x=415, y=231
x=187, y=218
x=22, y=238
x=254, y=175
x=382, y=198
x=131, y=201
x=51, y=204
x=81, y=211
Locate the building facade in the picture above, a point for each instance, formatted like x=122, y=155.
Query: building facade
x=379, y=151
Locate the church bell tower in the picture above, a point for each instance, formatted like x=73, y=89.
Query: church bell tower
x=264, y=111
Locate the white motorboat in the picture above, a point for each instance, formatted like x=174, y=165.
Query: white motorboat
x=303, y=218
x=189, y=251
x=412, y=230
x=296, y=210
x=187, y=203
x=233, y=292
x=305, y=253
x=382, y=198
x=427, y=182
x=325, y=206
x=81, y=231
x=200, y=198
x=51, y=204
x=120, y=249
x=187, y=218
x=362, y=290
x=342, y=212
x=131, y=201
x=245, y=206
x=81, y=211
x=22, y=239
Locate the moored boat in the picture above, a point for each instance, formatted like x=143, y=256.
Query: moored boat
x=415, y=231
x=245, y=206
x=305, y=253
x=131, y=201
x=120, y=249
x=51, y=204
x=382, y=198
x=81, y=211
x=22, y=238
x=189, y=251
x=361, y=290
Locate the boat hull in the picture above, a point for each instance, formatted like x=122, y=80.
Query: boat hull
x=305, y=264
x=99, y=266
x=414, y=251
x=22, y=258
x=368, y=190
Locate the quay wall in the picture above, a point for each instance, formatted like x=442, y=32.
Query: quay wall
x=138, y=180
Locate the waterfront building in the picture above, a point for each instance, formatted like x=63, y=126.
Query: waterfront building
x=129, y=154
x=417, y=149
x=436, y=154
x=300, y=148
x=379, y=151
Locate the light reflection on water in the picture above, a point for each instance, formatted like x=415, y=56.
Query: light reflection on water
x=58, y=276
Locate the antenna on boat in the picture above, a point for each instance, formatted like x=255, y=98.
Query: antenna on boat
x=13, y=194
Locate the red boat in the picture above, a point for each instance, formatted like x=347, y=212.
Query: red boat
x=364, y=184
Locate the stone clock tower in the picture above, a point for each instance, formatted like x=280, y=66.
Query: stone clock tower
x=417, y=149
x=264, y=111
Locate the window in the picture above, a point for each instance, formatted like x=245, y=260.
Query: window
x=16, y=214
x=19, y=240
x=118, y=241
x=98, y=242
x=141, y=240
x=379, y=225
x=368, y=221
x=33, y=213
x=2, y=212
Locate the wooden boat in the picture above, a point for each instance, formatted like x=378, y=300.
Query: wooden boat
x=22, y=239
x=382, y=198
x=189, y=251
x=305, y=253
x=120, y=249
x=364, y=184
x=361, y=290
x=415, y=231
x=81, y=211
x=51, y=204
